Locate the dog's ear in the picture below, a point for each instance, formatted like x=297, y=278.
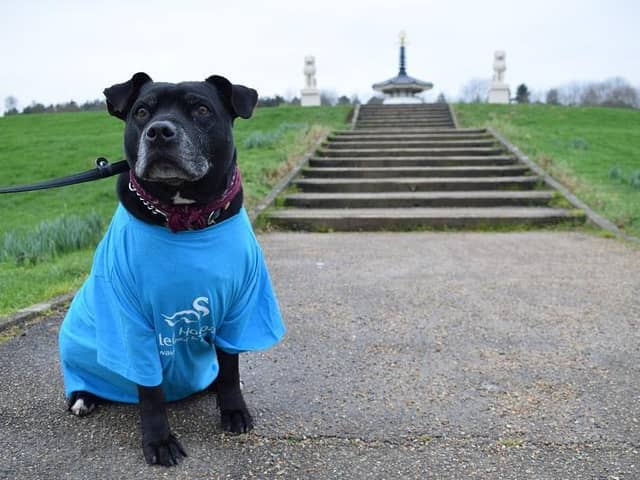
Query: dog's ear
x=239, y=100
x=120, y=97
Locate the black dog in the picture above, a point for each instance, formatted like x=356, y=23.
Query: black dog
x=178, y=286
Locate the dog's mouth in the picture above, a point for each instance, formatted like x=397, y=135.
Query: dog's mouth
x=162, y=168
x=166, y=171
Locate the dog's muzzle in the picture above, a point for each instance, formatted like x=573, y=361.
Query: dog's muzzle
x=166, y=154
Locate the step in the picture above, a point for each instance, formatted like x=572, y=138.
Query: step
x=408, y=106
x=403, y=119
x=400, y=124
x=400, y=184
x=419, y=199
x=403, y=115
x=384, y=172
x=412, y=218
x=386, y=126
x=409, y=137
x=408, y=152
x=411, y=115
x=418, y=161
x=379, y=144
x=403, y=131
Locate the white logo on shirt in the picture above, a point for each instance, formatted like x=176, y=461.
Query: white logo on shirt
x=194, y=315
x=182, y=330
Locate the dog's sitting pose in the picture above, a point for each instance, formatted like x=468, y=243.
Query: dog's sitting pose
x=179, y=285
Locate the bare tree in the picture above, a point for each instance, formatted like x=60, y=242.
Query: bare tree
x=11, y=104
x=571, y=93
x=328, y=97
x=552, y=97
x=475, y=90
x=619, y=93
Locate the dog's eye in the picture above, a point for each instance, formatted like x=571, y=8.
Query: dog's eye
x=142, y=113
x=203, y=110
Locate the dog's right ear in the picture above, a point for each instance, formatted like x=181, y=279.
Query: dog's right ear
x=120, y=97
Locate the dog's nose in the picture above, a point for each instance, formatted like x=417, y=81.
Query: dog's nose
x=161, y=131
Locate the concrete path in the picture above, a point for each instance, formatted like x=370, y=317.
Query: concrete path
x=418, y=355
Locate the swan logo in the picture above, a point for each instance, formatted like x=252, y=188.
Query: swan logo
x=198, y=311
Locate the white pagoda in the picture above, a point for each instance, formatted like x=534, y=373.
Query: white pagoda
x=402, y=88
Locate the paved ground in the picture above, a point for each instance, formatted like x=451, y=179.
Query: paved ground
x=419, y=355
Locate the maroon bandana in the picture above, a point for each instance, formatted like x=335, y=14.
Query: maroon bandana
x=188, y=217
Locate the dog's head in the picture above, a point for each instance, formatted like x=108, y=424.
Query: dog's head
x=178, y=137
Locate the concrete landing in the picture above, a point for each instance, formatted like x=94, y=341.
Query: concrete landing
x=409, y=355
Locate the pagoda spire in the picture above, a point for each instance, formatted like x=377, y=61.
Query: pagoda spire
x=403, y=67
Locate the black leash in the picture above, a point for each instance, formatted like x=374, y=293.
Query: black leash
x=103, y=169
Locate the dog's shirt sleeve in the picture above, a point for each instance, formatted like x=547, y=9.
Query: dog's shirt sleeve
x=253, y=321
x=126, y=340
x=125, y=336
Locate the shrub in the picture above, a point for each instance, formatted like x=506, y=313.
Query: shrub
x=259, y=139
x=615, y=173
x=634, y=179
x=51, y=238
x=579, y=144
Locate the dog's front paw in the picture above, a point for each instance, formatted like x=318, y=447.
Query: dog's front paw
x=236, y=421
x=234, y=414
x=167, y=452
x=82, y=403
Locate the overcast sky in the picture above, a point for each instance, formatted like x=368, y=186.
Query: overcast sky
x=54, y=51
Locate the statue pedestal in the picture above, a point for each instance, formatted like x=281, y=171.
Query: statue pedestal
x=310, y=97
x=499, y=93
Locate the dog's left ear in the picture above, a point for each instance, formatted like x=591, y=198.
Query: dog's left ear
x=240, y=100
x=120, y=97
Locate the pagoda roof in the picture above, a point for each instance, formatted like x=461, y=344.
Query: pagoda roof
x=402, y=81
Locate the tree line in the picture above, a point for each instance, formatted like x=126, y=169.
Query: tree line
x=327, y=97
x=613, y=92
x=11, y=106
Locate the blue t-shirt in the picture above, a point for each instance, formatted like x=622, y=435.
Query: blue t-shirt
x=156, y=303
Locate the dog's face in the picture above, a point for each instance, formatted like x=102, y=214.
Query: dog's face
x=178, y=137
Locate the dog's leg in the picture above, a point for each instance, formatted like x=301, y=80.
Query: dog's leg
x=234, y=414
x=82, y=403
x=159, y=445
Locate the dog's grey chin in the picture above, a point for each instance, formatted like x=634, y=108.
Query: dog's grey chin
x=169, y=173
x=173, y=182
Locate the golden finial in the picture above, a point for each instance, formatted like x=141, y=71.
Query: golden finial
x=403, y=38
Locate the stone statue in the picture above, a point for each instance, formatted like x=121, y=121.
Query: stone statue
x=499, y=66
x=310, y=94
x=310, y=71
x=499, y=91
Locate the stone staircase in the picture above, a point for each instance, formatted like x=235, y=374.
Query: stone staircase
x=406, y=167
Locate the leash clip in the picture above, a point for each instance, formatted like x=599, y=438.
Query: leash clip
x=102, y=163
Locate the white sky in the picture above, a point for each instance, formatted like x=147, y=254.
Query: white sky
x=54, y=51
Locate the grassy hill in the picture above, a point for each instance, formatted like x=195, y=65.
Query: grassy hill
x=595, y=152
x=37, y=147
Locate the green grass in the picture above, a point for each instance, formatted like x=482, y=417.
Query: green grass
x=37, y=147
x=51, y=238
x=595, y=152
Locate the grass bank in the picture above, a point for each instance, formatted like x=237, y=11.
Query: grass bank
x=594, y=152
x=36, y=147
